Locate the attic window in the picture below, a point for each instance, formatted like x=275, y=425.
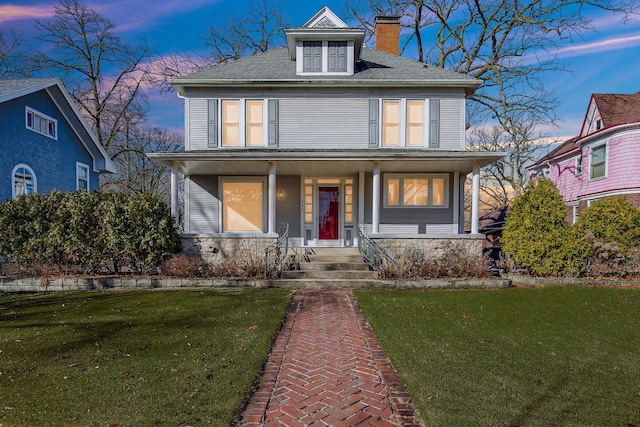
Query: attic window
x=598, y=124
x=41, y=123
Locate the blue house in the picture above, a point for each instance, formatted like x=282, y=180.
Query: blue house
x=45, y=143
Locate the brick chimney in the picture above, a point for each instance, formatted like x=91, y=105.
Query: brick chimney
x=387, y=32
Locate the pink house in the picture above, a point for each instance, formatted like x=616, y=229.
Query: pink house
x=604, y=160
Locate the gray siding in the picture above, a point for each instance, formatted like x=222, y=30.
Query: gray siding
x=424, y=220
x=451, y=124
x=204, y=206
x=324, y=123
x=288, y=209
x=198, y=126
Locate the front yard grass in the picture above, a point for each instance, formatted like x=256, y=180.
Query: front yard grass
x=133, y=358
x=555, y=356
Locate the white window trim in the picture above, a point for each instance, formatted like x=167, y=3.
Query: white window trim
x=429, y=176
x=50, y=120
x=325, y=59
x=242, y=122
x=403, y=116
x=80, y=165
x=606, y=161
x=265, y=199
x=13, y=176
x=578, y=165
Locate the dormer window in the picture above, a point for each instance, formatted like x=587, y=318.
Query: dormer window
x=325, y=45
x=337, y=57
x=326, y=57
x=312, y=57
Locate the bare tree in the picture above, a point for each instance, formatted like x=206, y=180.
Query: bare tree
x=13, y=60
x=507, y=178
x=496, y=41
x=139, y=173
x=257, y=30
x=104, y=74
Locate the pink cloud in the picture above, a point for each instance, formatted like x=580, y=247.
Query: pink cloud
x=14, y=12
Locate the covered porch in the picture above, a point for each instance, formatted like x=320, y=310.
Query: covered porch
x=327, y=195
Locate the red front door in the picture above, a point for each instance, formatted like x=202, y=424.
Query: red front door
x=328, y=213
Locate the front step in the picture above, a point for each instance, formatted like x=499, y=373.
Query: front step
x=327, y=284
x=328, y=268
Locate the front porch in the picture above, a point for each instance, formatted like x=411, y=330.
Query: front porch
x=400, y=197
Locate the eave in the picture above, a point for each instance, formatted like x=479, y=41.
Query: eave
x=180, y=85
x=319, y=162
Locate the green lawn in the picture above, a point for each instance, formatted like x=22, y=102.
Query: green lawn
x=132, y=358
x=555, y=356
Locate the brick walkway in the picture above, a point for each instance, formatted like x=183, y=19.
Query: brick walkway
x=327, y=368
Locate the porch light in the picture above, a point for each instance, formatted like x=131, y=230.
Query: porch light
x=280, y=194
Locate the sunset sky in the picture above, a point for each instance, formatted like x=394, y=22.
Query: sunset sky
x=603, y=61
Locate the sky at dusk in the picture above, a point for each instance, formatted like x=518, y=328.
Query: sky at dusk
x=606, y=60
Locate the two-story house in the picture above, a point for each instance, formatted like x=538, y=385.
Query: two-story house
x=45, y=143
x=603, y=160
x=330, y=136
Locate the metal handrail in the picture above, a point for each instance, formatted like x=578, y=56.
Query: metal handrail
x=275, y=253
x=373, y=254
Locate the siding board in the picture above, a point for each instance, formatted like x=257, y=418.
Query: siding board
x=324, y=123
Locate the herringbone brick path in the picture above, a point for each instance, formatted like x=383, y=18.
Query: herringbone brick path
x=327, y=368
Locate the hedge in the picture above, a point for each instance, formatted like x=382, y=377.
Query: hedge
x=88, y=233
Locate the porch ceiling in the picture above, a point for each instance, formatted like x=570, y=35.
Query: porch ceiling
x=318, y=163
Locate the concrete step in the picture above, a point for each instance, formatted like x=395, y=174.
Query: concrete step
x=329, y=275
x=329, y=284
x=328, y=266
x=333, y=258
x=327, y=250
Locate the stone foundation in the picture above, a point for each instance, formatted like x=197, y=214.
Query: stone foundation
x=216, y=249
x=430, y=248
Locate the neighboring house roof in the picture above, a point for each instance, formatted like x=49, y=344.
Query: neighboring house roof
x=618, y=109
x=16, y=88
x=566, y=148
x=376, y=69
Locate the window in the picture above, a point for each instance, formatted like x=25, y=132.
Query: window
x=415, y=118
x=254, y=123
x=243, y=205
x=312, y=57
x=82, y=177
x=391, y=123
x=337, y=57
x=41, y=123
x=24, y=181
x=416, y=190
x=598, y=162
x=578, y=167
x=230, y=122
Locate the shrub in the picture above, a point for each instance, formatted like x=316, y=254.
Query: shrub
x=87, y=232
x=182, y=265
x=454, y=262
x=612, y=220
x=538, y=238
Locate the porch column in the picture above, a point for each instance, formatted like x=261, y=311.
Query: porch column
x=375, y=211
x=272, y=198
x=475, y=199
x=175, y=210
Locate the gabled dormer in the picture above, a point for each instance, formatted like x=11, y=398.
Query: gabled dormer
x=593, y=119
x=325, y=45
x=609, y=110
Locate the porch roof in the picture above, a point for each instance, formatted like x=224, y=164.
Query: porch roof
x=255, y=161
